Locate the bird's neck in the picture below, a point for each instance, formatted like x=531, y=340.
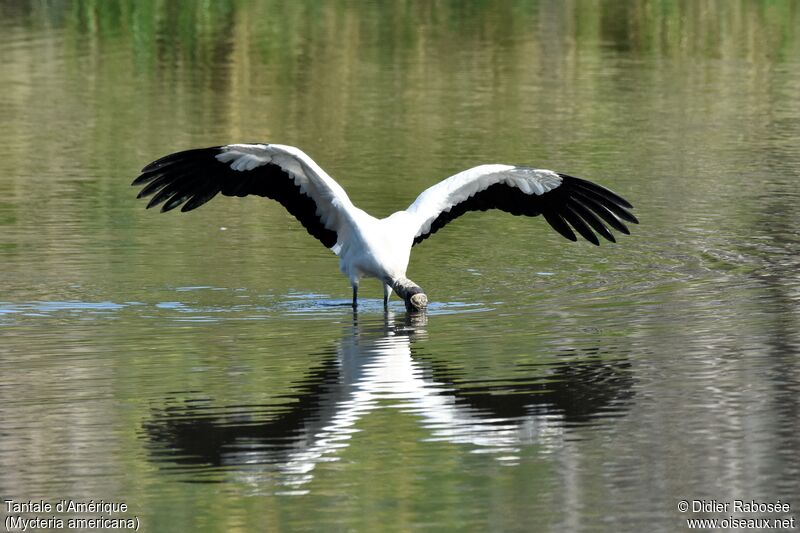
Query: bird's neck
x=410, y=292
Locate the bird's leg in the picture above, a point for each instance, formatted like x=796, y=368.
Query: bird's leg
x=355, y=296
x=415, y=298
x=387, y=290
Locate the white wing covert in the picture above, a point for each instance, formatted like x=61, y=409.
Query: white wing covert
x=282, y=173
x=566, y=202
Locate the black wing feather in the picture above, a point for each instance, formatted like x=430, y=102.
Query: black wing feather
x=576, y=204
x=193, y=177
x=590, y=218
x=560, y=225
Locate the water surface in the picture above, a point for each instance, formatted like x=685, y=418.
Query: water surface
x=205, y=368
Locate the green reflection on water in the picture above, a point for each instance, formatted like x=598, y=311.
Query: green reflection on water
x=680, y=105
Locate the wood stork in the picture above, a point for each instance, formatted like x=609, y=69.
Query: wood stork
x=367, y=246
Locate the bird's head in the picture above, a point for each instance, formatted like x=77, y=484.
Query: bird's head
x=417, y=300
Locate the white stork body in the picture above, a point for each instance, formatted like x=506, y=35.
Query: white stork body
x=367, y=246
x=375, y=248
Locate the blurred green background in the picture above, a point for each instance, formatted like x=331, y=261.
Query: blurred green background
x=205, y=368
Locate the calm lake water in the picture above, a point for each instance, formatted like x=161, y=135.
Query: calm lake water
x=205, y=368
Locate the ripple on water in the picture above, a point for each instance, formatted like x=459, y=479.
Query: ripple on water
x=312, y=305
x=381, y=364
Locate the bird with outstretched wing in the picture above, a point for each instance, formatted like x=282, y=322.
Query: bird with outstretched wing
x=367, y=246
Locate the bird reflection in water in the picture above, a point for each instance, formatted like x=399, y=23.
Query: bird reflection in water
x=376, y=366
